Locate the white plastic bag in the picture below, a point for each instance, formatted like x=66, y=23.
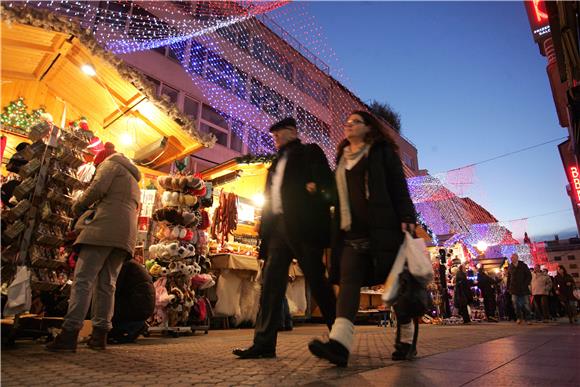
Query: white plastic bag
x=418, y=259
x=296, y=295
x=19, y=293
x=412, y=252
x=392, y=283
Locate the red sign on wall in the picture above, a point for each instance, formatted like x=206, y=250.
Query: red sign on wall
x=539, y=21
x=574, y=178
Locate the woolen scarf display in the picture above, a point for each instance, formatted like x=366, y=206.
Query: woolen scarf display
x=347, y=161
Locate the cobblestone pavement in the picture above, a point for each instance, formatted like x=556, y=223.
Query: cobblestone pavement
x=207, y=359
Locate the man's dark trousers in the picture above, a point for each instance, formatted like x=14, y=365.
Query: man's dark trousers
x=282, y=248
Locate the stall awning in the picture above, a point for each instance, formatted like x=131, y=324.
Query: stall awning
x=44, y=64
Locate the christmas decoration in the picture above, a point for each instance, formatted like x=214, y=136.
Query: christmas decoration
x=255, y=159
x=15, y=117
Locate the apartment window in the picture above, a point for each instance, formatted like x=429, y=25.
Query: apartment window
x=160, y=50
x=156, y=82
x=557, y=258
x=236, y=134
x=260, y=142
x=256, y=93
x=213, y=116
x=240, y=79
x=244, y=40
x=117, y=17
x=190, y=107
x=571, y=257
x=170, y=92
x=197, y=57
x=175, y=53
x=575, y=275
x=573, y=266
x=218, y=71
x=222, y=137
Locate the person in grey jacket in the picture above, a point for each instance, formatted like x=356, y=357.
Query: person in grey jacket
x=541, y=287
x=108, y=211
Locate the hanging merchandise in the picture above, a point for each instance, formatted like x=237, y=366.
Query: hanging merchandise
x=34, y=238
x=225, y=218
x=180, y=271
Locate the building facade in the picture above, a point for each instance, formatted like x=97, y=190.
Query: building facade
x=237, y=80
x=566, y=252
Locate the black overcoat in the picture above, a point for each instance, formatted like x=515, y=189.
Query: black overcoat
x=306, y=215
x=389, y=205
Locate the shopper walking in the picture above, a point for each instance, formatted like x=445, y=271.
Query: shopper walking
x=295, y=224
x=487, y=286
x=463, y=295
x=541, y=286
x=373, y=211
x=565, y=291
x=519, y=278
x=108, y=212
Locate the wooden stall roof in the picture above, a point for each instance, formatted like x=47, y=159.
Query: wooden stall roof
x=43, y=65
x=251, y=181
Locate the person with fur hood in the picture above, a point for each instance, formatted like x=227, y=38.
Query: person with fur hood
x=541, y=287
x=107, y=233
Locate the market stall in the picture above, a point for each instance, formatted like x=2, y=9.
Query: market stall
x=234, y=247
x=67, y=97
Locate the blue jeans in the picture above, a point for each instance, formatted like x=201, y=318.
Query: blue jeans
x=522, y=306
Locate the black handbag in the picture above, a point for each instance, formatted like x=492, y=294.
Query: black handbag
x=413, y=299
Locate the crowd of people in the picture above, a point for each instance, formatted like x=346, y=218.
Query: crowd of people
x=518, y=294
x=372, y=212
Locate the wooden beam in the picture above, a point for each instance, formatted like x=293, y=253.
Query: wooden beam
x=17, y=75
x=27, y=45
x=53, y=66
x=124, y=107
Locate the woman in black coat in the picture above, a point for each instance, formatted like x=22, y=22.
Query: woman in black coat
x=565, y=291
x=374, y=208
x=463, y=295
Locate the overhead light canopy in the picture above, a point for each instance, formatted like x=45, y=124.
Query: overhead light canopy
x=89, y=70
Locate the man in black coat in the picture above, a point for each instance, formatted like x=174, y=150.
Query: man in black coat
x=487, y=286
x=519, y=279
x=295, y=224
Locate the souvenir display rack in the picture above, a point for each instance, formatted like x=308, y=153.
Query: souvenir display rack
x=177, y=262
x=36, y=227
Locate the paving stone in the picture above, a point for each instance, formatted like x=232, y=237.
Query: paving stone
x=207, y=359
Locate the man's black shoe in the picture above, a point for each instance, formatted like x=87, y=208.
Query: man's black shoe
x=254, y=353
x=404, y=351
x=333, y=351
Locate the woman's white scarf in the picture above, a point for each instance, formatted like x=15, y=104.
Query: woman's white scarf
x=348, y=160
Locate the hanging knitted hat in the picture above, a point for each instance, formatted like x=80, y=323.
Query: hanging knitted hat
x=102, y=155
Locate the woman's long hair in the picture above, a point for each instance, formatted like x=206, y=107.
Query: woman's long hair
x=564, y=270
x=377, y=133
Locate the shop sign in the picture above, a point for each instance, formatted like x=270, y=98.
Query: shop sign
x=575, y=183
x=147, y=202
x=538, y=17
x=572, y=170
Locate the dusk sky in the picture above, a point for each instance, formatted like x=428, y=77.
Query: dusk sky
x=470, y=84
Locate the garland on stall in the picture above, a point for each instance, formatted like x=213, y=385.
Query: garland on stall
x=15, y=13
x=256, y=159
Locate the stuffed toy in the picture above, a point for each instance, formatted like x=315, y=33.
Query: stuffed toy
x=156, y=270
x=149, y=264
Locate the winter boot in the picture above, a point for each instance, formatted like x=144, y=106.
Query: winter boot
x=98, y=339
x=65, y=341
x=404, y=351
x=333, y=351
